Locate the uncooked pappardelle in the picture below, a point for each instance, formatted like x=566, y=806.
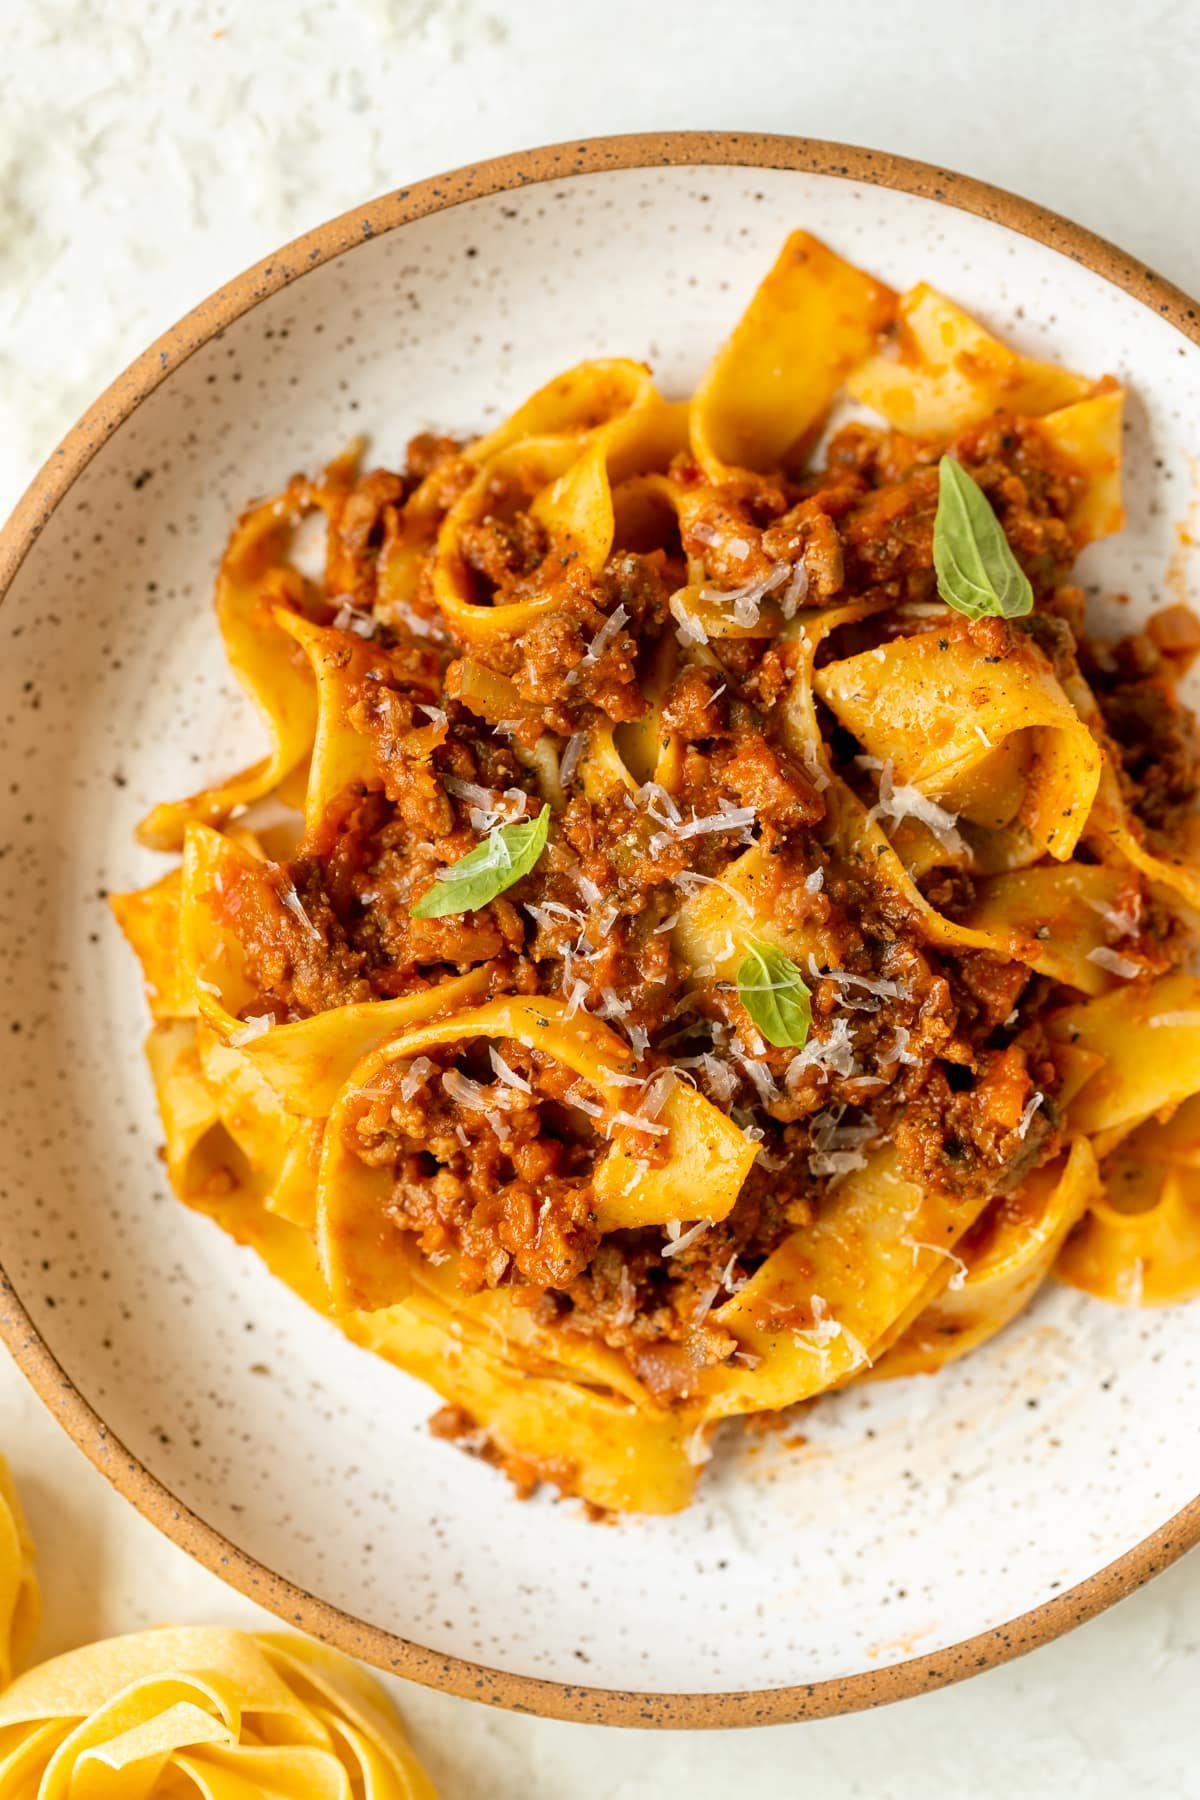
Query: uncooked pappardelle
x=734, y=940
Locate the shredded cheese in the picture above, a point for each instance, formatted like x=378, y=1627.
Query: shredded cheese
x=907, y=802
x=506, y=1073
x=1026, y=1120
x=746, y=601
x=676, y=1244
x=690, y=631
x=254, y=1027
x=578, y=1097
x=1115, y=963
x=291, y=899
x=418, y=1071
x=604, y=637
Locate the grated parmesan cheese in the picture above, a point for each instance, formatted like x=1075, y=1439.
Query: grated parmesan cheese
x=731, y=1283
x=681, y=1242
x=487, y=807
x=659, y=804
x=832, y=1055
x=761, y=1078
x=617, y=1078
x=825, y=1329
x=899, y=1052
x=254, y=1026
x=577, y=998
x=747, y=600
x=871, y=984
x=466, y=1092
x=697, y=1448
x=499, y=1126
x=588, y=889
x=795, y=591
x=690, y=631
x=1115, y=963
x=1122, y=923
x=416, y=622
x=691, y=879
x=604, y=637
x=352, y=618
x=961, y=1270
x=704, y=1304
x=1031, y=1106
x=577, y=1097
x=569, y=761
x=291, y=899
x=639, y=1123
x=506, y=1073
x=907, y=802
x=835, y=1163
x=415, y=1076
x=627, y=1310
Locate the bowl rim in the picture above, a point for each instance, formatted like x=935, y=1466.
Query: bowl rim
x=124, y=1471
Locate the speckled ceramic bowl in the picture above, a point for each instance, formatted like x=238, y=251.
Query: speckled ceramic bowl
x=925, y=1529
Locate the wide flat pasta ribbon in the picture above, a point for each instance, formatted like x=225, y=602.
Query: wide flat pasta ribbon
x=1085, y=438
x=1045, y=916
x=594, y=1442
x=1018, y=1242
x=941, y=371
x=932, y=708
x=566, y=482
x=251, y=582
x=577, y=403
x=820, y=1307
x=149, y=917
x=1147, y=1034
x=347, y=672
x=1139, y=1244
x=812, y=318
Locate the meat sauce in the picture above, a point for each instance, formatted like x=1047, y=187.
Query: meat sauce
x=491, y=1158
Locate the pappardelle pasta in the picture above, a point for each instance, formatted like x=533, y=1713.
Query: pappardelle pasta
x=734, y=940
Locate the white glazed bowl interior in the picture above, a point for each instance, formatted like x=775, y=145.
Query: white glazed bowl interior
x=916, y=1514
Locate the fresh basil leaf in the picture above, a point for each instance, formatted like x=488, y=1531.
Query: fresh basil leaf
x=506, y=853
x=977, y=573
x=772, y=990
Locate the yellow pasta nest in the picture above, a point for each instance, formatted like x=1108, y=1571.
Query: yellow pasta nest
x=207, y=1711
x=186, y=1710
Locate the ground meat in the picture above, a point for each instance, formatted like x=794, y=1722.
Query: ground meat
x=963, y=1132
x=1156, y=736
x=504, y=551
x=944, y=1054
x=484, y=1168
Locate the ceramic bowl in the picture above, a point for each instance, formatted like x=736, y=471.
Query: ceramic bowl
x=925, y=1529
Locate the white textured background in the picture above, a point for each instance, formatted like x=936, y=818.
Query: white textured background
x=149, y=149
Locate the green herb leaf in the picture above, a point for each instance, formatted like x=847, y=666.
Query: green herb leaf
x=977, y=573
x=506, y=853
x=772, y=990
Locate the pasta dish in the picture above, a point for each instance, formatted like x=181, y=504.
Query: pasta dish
x=713, y=920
